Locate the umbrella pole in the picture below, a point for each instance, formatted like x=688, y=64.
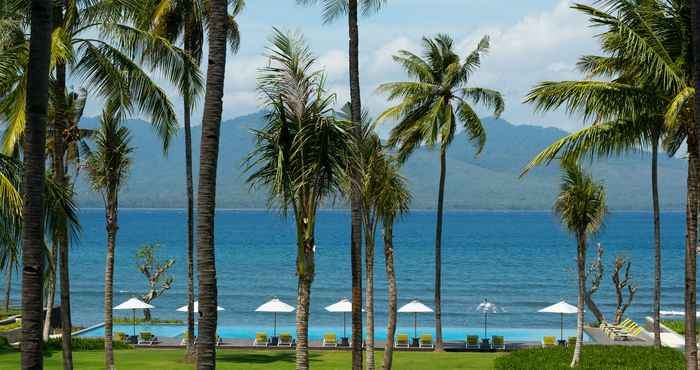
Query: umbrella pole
x=486, y=322
x=274, y=330
x=562, y=327
x=344, y=334
x=133, y=322
x=415, y=331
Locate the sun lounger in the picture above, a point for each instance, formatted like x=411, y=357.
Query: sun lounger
x=426, y=341
x=572, y=341
x=183, y=342
x=473, y=342
x=402, y=341
x=498, y=343
x=627, y=335
x=549, y=341
x=330, y=340
x=261, y=340
x=219, y=340
x=285, y=340
x=147, y=338
x=120, y=336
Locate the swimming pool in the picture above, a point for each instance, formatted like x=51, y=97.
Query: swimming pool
x=316, y=333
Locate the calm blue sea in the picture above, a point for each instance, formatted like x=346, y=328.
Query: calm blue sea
x=522, y=261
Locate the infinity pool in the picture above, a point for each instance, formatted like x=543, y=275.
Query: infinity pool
x=316, y=333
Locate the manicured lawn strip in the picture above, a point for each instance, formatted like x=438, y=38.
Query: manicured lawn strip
x=11, y=312
x=146, y=359
x=679, y=326
x=593, y=357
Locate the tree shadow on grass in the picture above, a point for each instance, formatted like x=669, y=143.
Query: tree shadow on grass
x=261, y=358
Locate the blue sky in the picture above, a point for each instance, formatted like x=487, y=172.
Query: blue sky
x=531, y=41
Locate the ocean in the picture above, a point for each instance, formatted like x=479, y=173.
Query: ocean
x=521, y=261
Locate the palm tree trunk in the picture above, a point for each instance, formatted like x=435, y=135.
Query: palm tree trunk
x=206, y=199
x=391, y=283
x=438, y=251
x=8, y=285
x=33, y=194
x=111, y=218
x=691, y=349
x=369, y=270
x=305, y=270
x=190, y=353
x=356, y=218
x=51, y=294
x=581, y=267
x=657, y=242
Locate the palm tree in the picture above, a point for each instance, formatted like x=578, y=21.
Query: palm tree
x=301, y=155
x=108, y=166
x=37, y=102
x=333, y=9
x=186, y=19
x=581, y=208
x=206, y=198
x=426, y=115
x=393, y=201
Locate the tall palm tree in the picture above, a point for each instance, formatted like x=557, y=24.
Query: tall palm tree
x=393, y=201
x=581, y=208
x=333, y=9
x=426, y=116
x=206, y=198
x=301, y=155
x=108, y=166
x=37, y=102
x=186, y=20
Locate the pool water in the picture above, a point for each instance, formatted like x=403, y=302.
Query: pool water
x=316, y=333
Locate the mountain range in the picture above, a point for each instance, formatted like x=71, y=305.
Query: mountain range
x=490, y=181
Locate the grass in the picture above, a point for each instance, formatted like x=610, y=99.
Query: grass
x=12, y=326
x=7, y=313
x=130, y=320
x=148, y=359
x=679, y=326
x=594, y=357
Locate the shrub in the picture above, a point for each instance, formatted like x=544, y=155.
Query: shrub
x=129, y=320
x=82, y=344
x=15, y=325
x=5, y=345
x=593, y=357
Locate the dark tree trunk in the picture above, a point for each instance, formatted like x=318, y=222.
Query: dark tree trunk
x=657, y=242
x=111, y=224
x=206, y=199
x=356, y=218
x=8, y=286
x=190, y=353
x=369, y=270
x=438, y=251
x=691, y=350
x=33, y=192
x=305, y=260
x=581, y=270
x=391, y=284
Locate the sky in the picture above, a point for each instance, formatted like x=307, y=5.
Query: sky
x=531, y=41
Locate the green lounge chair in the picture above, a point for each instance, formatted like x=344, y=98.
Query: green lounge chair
x=572, y=341
x=549, y=341
x=147, y=338
x=426, y=341
x=261, y=340
x=627, y=335
x=473, y=342
x=402, y=341
x=498, y=343
x=330, y=340
x=285, y=340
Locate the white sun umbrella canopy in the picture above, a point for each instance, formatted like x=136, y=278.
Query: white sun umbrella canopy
x=486, y=308
x=133, y=304
x=415, y=307
x=275, y=306
x=196, y=308
x=344, y=306
x=561, y=308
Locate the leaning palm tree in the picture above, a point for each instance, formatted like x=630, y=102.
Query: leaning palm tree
x=301, y=155
x=393, y=201
x=332, y=10
x=37, y=102
x=186, y=20
x=108, y=166
x=426, y=116
x=581, y=208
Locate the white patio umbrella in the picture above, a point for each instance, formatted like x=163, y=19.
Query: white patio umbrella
x=196, y=308
x=560, y=308
x=275, y=306
x=486, y=308
x=344, y=305
x=133, y=304
x=415, y=307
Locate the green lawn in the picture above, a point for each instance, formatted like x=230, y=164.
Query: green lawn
x=251, y=360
